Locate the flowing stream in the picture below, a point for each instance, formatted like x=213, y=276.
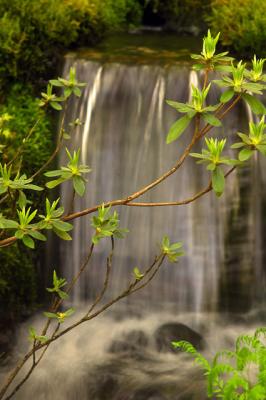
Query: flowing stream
x=215, y=289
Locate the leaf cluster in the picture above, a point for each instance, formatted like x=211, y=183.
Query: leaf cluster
x=106, y=225
x=73, y=171
x=58, y=283
x=60, y=316
x=238, y=374
x=255, y=140
x=212, y=156
x=172, y=251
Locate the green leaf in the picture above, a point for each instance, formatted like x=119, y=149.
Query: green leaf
x=227, y=95
x=56, y=106
x=256, y=106
x=62, y=226
x=28, y=241
x=245, y=154
x=50, y=315
x=37, y=235
x=79, y=185
x=211, y=119
x=218, y=181
x=138, y=275
x=178, y=128
x=62, y=234
x=54, y=183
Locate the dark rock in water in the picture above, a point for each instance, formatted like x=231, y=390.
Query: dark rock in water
x=147, y=394
x=130, y=343
x=175, y=331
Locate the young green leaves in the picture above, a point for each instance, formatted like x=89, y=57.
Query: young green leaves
x=197, y=106
x=60, y=316
x=70, y=85
x=172, y=251
x=255, y=140
x=52, y=220
x=49, y=98
x=27, y=231
x=256, y=74
x=238, y=84
x=207, y=59
x=106, y=224
x=73, y=171
x=58, y=283
x=17, y=183
x=33, y=336
x=213, y=157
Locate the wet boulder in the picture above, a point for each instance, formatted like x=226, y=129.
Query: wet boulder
x=175, y=331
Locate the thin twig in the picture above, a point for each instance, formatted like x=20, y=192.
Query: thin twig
x=106, y=280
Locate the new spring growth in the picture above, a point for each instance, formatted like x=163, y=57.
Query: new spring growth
x=70, y=85
x=209, y=45
x=106, y=224
x=212, y=156
x=60, y=316
x=255, y=140
x=256, y=73
x=172, y=251
x=58, y=283
x=73, y=171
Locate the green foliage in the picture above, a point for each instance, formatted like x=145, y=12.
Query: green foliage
x=106, y=225
x=58, y=283
x=60, y=316
x=33, y=336
x=255, y=140
x=137, y=274
x=35, y=33
x=172, y=251
x=18, y=115
x=213, y=157
x=239, y=83
x=241, y=23
x=17, y=281
x=52, y=220
x=238, y=374
x=73, y=171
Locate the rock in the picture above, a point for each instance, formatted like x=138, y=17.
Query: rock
x=132, y=342
x=147, y=394
x=175, y=331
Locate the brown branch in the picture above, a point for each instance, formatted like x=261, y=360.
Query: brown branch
x=54, y=337
x=106, y=280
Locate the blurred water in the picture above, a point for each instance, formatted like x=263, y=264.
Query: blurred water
x=126, y=120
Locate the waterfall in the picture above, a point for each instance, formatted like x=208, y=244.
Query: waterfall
x=126, y=120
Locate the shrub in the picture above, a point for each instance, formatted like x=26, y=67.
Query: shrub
x=18, y=272
x=242, y=24
x=34, y=33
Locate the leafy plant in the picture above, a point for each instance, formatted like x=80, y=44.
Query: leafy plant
x=238, y=374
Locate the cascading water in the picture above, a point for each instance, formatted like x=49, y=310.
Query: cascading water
x=126, y=354
x=123, y=140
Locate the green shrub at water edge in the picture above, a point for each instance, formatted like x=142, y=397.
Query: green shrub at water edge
x=35, y=33
x=242, y=24
x=18, y=273
x=235, y=375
